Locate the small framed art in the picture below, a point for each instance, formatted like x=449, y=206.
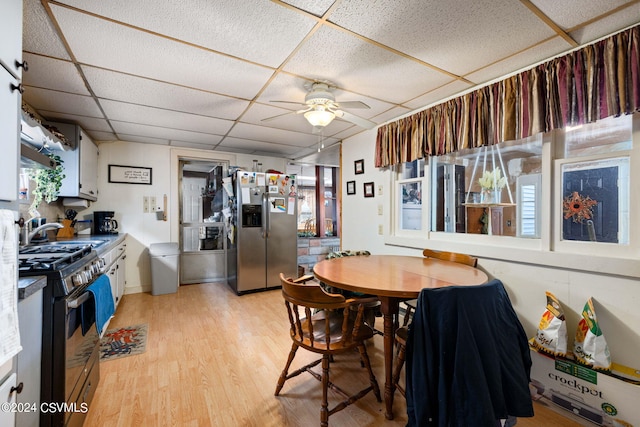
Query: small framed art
x=368, y=189
x=351, y=187
x=359, y=166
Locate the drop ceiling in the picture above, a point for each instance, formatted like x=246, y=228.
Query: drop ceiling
x=203, y=74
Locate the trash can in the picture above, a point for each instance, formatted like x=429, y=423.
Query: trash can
x=165, y=268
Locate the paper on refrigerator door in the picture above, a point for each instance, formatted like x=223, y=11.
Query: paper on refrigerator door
x=228, y=186
x=278, y=205
x=291, y=210
x=246, y=195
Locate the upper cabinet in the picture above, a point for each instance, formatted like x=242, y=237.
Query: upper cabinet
x=80, y=164
x=11, y=36
x=10, y=73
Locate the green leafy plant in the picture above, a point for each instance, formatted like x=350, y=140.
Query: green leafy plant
x=47, y=184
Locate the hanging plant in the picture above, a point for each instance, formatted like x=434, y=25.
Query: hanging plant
x=47, y=184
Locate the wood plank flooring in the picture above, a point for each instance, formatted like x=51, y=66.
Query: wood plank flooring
x=213, y=359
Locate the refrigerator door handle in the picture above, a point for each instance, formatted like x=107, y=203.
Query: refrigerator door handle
x=265, y=216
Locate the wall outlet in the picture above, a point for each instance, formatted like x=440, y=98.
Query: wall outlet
x=380, y=229
x=152, y=204
x=379, y=209
x=145, y=204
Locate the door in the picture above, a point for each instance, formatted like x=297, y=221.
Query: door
x=203, y=249
x=281, y=249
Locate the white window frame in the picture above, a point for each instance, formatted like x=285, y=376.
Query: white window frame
x=548, y=250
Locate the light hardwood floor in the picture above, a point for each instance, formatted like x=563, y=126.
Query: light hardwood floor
x=213, y=359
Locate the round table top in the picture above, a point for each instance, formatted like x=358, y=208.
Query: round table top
x=395, y=275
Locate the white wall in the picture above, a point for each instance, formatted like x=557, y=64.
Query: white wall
x=126, y=200
x=616, y=298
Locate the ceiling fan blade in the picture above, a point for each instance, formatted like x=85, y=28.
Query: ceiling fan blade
x=364, y=123
x=353, y=104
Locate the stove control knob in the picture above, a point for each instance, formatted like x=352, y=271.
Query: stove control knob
x=78, y=279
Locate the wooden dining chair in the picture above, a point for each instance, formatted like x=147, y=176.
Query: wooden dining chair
x=401, y=333
x=327, y=326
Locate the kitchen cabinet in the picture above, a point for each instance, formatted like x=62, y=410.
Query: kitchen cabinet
x=8, y=396
x=28, y=360
x=80, y=164
x=10, y=74
x=115, y=260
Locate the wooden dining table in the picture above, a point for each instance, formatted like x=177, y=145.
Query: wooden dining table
x=394, y=278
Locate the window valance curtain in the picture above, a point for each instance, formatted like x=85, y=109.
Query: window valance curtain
x=591, y=83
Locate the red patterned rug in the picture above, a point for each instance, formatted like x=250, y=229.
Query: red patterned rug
x=123, y=342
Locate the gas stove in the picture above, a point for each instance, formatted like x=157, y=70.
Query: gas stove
x=71, y=265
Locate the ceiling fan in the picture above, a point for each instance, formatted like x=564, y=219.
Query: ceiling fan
x=322, y=108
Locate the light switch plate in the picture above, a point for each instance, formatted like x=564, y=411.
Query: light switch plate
x=380, y=209
x=380, y=229
x=152, y=204
x=379, y=189
x=145, y=204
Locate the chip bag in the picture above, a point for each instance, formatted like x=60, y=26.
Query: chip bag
x=590, y=347
x=551, y=336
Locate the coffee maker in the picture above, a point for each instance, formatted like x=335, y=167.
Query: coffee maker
x=104, y=223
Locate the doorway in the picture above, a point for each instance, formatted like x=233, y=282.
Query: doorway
x=203, y=245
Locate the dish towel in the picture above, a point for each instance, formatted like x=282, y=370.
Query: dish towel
x=9, y=332
x=103, y=301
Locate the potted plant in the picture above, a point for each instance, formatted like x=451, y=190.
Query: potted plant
x=492, y=183
x=47, y=184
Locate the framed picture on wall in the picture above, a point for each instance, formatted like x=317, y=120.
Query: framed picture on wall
x=351, y=187
x=359, y=166
x=368, y=189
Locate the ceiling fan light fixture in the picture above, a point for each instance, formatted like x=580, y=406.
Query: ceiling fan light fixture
x=319, y=117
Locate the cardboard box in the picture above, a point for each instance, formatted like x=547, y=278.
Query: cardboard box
x=595, y=396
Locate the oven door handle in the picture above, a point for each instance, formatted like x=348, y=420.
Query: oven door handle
x=78, y=301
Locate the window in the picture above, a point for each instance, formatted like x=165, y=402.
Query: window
x=476, y=191
x=409, y=191
x=565, y=192
x=317, y=200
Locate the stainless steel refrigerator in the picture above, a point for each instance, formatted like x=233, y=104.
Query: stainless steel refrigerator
x=263, y=235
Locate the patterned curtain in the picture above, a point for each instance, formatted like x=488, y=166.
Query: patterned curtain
x=594, y=82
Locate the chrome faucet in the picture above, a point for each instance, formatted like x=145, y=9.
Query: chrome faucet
x=41, y=228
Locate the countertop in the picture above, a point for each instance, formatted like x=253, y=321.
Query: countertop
x=28, y=286
x=111, y=240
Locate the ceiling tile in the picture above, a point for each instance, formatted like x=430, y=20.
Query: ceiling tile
x=98, y=136
x=276, y=136
x=521, y=61
x=89, y=124
x=142, y=139
x=315, y=7
x=569, y=13
x=39, y=35
x=360, y=67
x=625, y=18
x=53, y=74
x=142, y=91
x=458, y=36
x=437, y=95
x=259, y=31
x=249, y=146
x=60, y=102
x=123, y=112
x=108, y=45
x=147, y=131
x=186, y=144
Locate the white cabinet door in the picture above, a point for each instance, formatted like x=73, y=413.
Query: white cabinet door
x=120, y=265
x=8, y=418
x=11, y=36
x=9, y=136
x=88, y=166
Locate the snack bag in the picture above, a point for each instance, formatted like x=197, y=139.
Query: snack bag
x=590, y=347
x=551, y=336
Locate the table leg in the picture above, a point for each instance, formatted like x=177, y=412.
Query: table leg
x=389, y=309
